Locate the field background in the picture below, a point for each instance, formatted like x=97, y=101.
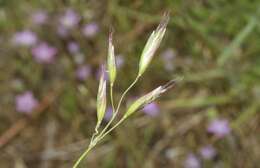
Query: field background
x=216, y=51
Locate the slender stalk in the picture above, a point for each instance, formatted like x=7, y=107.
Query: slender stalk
x=99, y=138
x=83, y=155
x=118, y=106
x=96, y=132
x=103, y=132
x=111, y=129
x=126, y=91
x=111, y=97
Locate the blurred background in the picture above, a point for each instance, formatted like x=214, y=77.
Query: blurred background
x=51, y=52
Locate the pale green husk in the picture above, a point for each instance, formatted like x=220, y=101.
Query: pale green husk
x=101, y=98
x=111, y=62
x=142, y=101
x=151, y=46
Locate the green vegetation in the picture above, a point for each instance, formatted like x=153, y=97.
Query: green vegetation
x=216, y=49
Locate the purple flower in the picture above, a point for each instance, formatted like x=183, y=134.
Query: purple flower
x=90, y=29
x=108, y=114
x=39, y=17
x=70, y=19
x=192, y=162
x=25, y=38
x=119, y=61
x=73, y=47
x=168, y=56
x=25, y=103
x=62, y=32
x=219, y=127
x=44, y=53
x=83, y=72
x=208, y=152
x=151, y=109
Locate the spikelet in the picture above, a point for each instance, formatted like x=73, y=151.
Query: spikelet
x=148, y=98
x=101, y=98
x=152, y=44
x=111, y=61
x=142, y=101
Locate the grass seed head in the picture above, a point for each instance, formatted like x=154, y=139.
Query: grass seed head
x=152, y=45
x=111, y=60
x=101, y=97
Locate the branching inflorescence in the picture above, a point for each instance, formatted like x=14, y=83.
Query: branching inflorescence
x=146, y=57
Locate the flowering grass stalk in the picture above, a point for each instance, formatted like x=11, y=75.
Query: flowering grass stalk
x=146, y=57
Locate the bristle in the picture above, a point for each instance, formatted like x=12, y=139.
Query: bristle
x=172, y=83
x=164, y=21
x=111, y=32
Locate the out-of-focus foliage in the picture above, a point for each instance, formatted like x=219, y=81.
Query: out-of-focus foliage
x=214, y=45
